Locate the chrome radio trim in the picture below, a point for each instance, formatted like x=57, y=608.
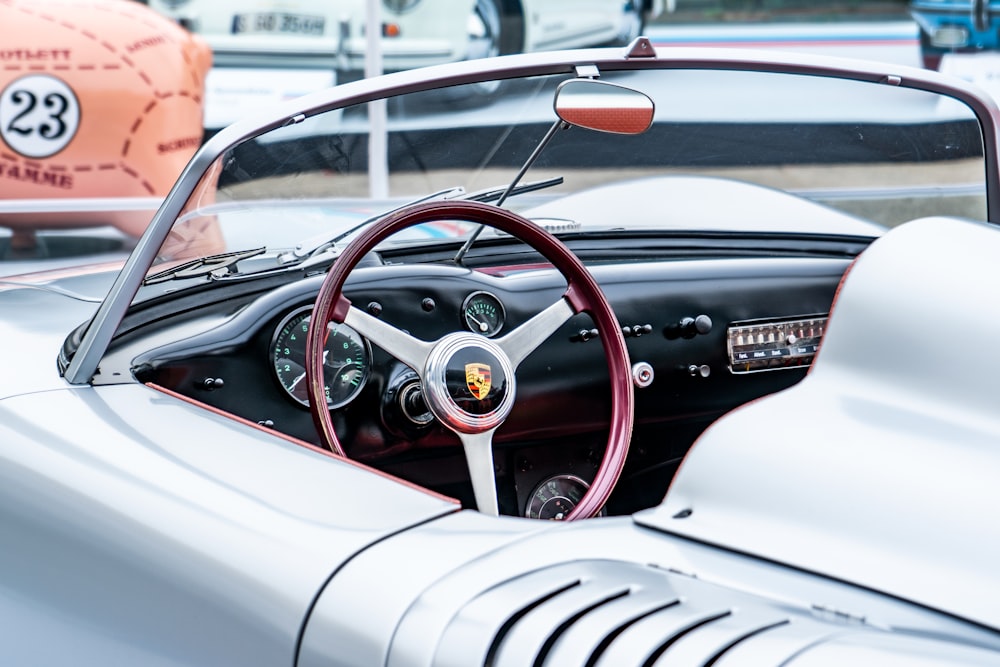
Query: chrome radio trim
x=774, y=344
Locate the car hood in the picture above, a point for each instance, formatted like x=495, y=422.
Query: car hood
x=38, y=311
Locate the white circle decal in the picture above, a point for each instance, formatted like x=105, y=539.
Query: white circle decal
x=39, y=115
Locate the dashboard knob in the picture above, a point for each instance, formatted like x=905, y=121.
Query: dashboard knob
x=642, y=374
x=689, y=327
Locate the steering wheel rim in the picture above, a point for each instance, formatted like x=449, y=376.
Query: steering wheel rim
x=583, y=294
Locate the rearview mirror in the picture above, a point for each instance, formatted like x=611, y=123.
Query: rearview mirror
x=604, y=107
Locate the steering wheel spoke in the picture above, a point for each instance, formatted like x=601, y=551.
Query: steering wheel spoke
x=479, y=457
x=526, y=338
x=411, y=351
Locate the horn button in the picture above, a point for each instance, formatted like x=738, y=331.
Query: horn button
x=469, y=383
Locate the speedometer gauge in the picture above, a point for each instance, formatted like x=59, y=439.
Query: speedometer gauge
x=556, y=497
x=346, y=360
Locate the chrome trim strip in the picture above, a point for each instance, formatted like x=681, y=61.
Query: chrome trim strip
x=80, y=204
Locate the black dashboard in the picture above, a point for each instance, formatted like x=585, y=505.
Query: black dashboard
x=700, y=335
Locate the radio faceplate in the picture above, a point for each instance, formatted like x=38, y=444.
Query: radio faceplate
x=765, y=345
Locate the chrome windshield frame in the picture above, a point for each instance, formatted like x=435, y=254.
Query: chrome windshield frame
x=81, y=368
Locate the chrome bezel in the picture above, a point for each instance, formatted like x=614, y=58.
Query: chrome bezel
x=307, y=311
x=499, y=306
x=538, y=487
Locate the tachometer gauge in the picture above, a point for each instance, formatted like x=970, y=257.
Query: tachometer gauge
x=346, y=360
x=483, y=313
x=556, y=497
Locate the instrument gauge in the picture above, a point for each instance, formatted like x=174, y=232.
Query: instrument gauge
x=346, y=360
x=483, y=313
x=556, y=497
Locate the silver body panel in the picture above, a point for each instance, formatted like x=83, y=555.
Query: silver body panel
x=35, y=323
x=181, y=537
x=611, y=591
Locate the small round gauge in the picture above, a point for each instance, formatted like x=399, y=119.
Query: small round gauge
x=346, y=360
x=556, y=497
x=483, y=313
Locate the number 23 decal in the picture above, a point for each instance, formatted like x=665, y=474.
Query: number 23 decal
x=39, y=115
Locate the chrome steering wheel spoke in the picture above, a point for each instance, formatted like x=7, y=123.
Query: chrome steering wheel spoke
x=479, y=458
x=525, y=339
x=411, y=351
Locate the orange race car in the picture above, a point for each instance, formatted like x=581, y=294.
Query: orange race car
x=98, y=99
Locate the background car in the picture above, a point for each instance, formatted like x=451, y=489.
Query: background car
x=732, y=310
x=268, y=51
x=956, y=26
x=100, y=110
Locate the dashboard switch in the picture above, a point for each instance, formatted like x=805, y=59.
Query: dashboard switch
x=637, y=330
x=700, y=370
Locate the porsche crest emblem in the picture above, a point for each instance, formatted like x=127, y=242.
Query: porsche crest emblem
x=478, y=378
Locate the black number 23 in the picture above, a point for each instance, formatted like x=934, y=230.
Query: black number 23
x=51, y=126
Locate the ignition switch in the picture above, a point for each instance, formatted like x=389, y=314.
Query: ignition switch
x=411, y=402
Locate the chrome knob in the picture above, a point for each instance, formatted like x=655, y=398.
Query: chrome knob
x=642, y=374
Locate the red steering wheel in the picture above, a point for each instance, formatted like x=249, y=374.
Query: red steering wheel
x=441, y=364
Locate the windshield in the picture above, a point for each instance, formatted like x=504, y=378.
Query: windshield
x=728, y=151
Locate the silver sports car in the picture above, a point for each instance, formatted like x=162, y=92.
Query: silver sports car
x=377, y=352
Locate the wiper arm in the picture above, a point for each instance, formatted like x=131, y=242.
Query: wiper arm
x=559, y=124
x=203, y=266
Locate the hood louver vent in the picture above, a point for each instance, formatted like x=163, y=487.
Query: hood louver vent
x=603, y=613
x=596, y=613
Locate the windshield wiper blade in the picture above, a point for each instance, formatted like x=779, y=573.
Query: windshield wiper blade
x=203, y=266
x=322, y=243
x=314, y=246
x=493, y=194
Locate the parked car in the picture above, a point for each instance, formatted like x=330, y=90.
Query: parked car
x=268, y=51
x=100, y=109
x=955, y=26
x=732, y=310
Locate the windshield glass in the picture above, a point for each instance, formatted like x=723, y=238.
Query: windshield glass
x=728, y=151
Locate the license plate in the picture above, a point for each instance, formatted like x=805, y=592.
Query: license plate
x=278, y=22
